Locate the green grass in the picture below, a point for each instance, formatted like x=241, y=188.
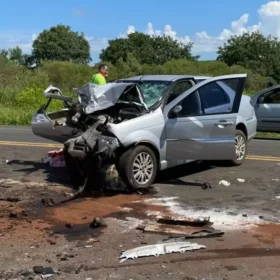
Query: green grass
x=268, y=135
x=15, y=116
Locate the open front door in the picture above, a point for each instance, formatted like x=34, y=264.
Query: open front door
x=201, y=123
x=268, y=111
x=53, y=120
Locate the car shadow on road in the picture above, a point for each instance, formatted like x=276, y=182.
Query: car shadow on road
x=61, y=175
x=173, y=175
x=58, y=175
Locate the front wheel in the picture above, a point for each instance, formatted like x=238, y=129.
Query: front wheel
x=138, y=167
x=240, y=148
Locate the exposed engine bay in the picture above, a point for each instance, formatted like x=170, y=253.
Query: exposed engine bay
x=90, y=145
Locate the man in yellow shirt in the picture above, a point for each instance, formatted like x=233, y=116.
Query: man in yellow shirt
x=100, y=77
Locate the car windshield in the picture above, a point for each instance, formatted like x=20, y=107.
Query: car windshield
x=153, y=90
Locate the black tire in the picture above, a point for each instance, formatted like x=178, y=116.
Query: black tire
x=124, y=166
x=237, y=162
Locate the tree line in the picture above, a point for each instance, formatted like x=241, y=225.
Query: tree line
x=252, y=51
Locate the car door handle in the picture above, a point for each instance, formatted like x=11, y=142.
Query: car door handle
x=223, y=123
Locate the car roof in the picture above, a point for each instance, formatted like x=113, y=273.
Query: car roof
x=164, y=77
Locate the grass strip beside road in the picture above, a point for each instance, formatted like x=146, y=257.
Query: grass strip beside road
x=269, y=135
x=15, y=116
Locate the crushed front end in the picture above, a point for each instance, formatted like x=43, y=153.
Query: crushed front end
x=83, y=125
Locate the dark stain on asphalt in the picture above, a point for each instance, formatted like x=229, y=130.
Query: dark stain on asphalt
x=231, y=268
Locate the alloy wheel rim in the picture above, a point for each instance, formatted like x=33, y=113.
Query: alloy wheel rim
x=143, y=168
x=240, y=147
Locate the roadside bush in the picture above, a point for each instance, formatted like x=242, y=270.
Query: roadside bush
x=21, y=89
x=67, y=75
x=33, y=98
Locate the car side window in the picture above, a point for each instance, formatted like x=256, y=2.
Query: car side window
x=272, y=98
x=191, y=107
x=218, y=96
x=178, y=89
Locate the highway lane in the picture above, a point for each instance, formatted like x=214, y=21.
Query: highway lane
x=23, y=136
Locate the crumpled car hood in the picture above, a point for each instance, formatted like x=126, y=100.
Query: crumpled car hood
x=100, y=97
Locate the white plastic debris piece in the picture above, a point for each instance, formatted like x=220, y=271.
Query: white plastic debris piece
x=240, y=180
x=159, y=249
x=277, y=197
x=46, y=276
x=225, y=183
x=275, y=180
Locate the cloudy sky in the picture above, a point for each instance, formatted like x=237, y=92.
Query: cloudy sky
x=206, y=23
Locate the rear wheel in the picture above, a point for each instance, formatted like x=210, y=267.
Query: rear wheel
x=240, y=148
x=138, y=167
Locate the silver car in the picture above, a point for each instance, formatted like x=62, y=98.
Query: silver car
x=148, y=123
x=267, y=108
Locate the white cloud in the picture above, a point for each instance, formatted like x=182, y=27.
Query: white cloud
x=269, y=23
x=13, y=38
x=270, y=18
x=130, y=29
x=203, y=42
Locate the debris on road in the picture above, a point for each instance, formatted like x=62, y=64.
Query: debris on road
x=51, y=202
x=48, y=202
x=200, y=221
x=240, y=180
x=10, y=199
x=187, y=231
x=203, y=233
x=55, y=158
x=275, y=180
x=224, y=183
x=159, y=249
x=46, y=272
x=206, y=186
x=88, y=243
x=277, y=197
x=97, y=222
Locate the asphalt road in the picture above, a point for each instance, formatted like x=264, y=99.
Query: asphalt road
x=248, y=250
x=22, y=136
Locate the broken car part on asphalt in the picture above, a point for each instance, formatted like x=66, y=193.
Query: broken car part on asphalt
x=188, y=232
x=200, y=221
x=160, y=249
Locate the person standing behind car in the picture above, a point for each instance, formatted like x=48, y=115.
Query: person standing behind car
x=100, y=77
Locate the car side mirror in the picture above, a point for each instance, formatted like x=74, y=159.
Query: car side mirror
x=177, y=109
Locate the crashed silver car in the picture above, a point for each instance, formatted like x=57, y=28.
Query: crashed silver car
x=142, y=129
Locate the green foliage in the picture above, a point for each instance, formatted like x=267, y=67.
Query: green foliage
x=15, y=116
x=61, y=44
x=31, y=98
x=253, y=51
x=21, y=89
x=67, y=75
x=146, y=49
